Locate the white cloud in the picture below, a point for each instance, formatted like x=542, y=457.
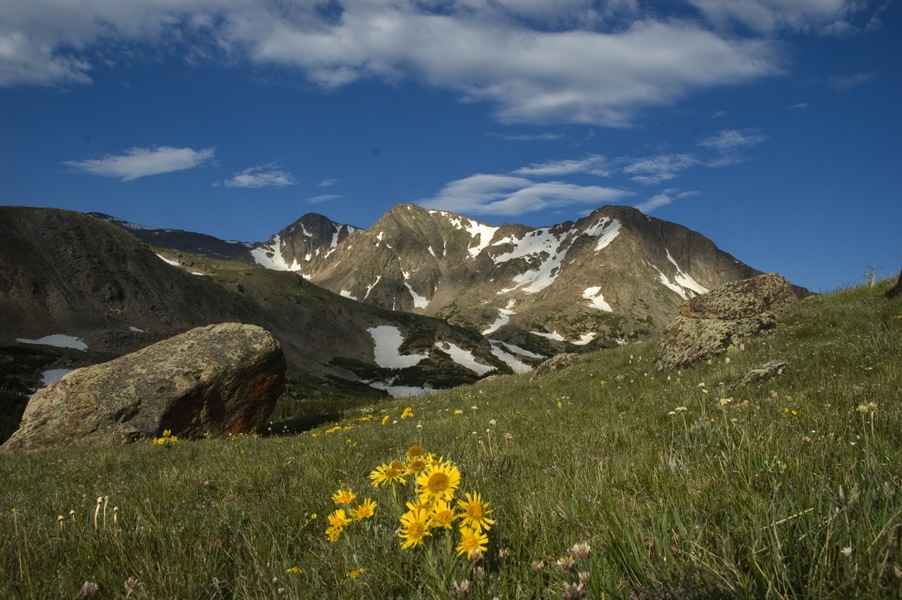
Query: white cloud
x=766, y=16
x=505, y=195
x=539, y=137
x=586, y=62
x=141, y=162
x=327, y=182
x=730, y=140
x=661, y=167
x=261, y=176
x=844, y=83
x=594, y=164
x=323, y=198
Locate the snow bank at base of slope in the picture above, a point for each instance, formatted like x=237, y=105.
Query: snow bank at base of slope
x=398, y=391
x=58, y=340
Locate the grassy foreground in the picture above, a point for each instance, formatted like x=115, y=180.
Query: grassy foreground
x=610, y=480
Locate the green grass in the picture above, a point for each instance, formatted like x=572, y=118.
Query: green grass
x=777, y=490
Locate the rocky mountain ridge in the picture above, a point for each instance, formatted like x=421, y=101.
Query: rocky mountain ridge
x=610, y=277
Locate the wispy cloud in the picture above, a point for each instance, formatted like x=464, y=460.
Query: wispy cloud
x=658, y=168
x=844, y=83
x=505, y=195
x=328, y=182
x=731, y=140
x=323, y=198
x=663, y=199
x=259, y=177
x=593, y=164
x=799, y=106
x=539, y=137
x=142, y=162
x=830, y=17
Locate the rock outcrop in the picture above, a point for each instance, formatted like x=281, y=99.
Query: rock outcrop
x=213, y=380
x=555, y=364
x=708, y=324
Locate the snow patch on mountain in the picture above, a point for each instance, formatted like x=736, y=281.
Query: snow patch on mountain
x=554, y=335
x=536, y=244
x=371, y=286
x=514, y=349
x=53, y=375
x=585, y=338
x=387, y=340
x=683, y=284
x=596, y=299
x=347, y=294
x=684, y=279
x=270, y=256
x=464, y=358
x=398, y=391
x=504, y=316
x=58, y=340
x=516, y=365
x=418, y=301
x=480, y=234
x=169, y=261
x=606, y=230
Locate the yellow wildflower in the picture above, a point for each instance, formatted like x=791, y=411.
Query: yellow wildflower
x=414, y=527
x=475, y=512
x=343, y=497
x=365, y=510
x=472, y=541
x=387, y=474
x=438, y=482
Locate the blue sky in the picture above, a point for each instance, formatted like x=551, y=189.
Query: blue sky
x=772, y=127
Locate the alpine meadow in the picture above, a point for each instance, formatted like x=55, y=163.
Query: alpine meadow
x=607, y=480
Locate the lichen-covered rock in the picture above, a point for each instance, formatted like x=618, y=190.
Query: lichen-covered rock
x=555, y=364
x=709, y=324
x=213, y=380
x=742, y=299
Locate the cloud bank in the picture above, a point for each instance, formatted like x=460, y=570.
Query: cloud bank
x=535, y=61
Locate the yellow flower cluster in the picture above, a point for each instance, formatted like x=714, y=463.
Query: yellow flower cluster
x=167, y=438
x=436, y=506
x=340, y=517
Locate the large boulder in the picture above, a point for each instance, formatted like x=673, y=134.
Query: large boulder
x=212, y=380
x=709, y=324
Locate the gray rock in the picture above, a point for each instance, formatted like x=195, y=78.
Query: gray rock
x=709, y=324
x=555, y=364
x=772, y=369
x=214, y=380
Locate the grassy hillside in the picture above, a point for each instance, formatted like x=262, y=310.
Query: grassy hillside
x=637, y=483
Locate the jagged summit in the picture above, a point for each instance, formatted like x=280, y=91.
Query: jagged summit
x=611, y=276
x=309, y=238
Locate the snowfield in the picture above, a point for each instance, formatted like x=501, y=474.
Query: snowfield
x=387, y=340
x=596, y=300
x=53, y=375
x=464, y=358
x=517, y=365
x=271, y=257
x=58, y=340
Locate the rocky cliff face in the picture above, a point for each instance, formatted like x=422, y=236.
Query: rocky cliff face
x=612, y=276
